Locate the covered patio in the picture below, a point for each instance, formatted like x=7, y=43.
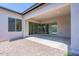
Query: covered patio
x=39, y=28
x=42, y=24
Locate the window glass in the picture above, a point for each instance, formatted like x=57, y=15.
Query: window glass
x=11, y=24
x=53, y=28
x=18, y=25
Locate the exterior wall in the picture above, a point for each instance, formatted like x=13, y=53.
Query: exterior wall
x=63, y=26
x=75, y=28
x=4, y=34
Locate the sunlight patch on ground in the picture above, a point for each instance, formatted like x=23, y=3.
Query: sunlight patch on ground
x=50, y=43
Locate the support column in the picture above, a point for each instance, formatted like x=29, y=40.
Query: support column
x=75, y=28
x=25, y=28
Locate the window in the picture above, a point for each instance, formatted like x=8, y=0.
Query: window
x=18, y=25
x=11, y=24
x=14, y=24
x=53, y=28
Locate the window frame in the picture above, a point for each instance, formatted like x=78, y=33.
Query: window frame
x=15, y=30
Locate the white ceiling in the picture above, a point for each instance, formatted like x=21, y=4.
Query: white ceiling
x=53, y=13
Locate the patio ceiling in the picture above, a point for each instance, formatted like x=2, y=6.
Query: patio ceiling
x=52, y=14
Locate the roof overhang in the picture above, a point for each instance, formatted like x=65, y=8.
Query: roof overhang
x=9, y=10
x=52, y=14
x=36, y=5
x=32, y=8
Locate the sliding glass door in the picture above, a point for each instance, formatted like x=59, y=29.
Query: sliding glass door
x=35, y=28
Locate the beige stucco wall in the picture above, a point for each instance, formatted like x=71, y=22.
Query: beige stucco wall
x=4, y=34
x=63, y=26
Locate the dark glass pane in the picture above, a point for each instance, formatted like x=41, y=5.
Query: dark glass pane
x=11, y=24
x=18, y=25
x=53, y=28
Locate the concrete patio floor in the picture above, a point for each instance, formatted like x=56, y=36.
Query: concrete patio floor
x=51, y=40
x=29, y=47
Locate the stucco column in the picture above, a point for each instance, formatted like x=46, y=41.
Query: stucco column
x=25, y=28
x=75, y=28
